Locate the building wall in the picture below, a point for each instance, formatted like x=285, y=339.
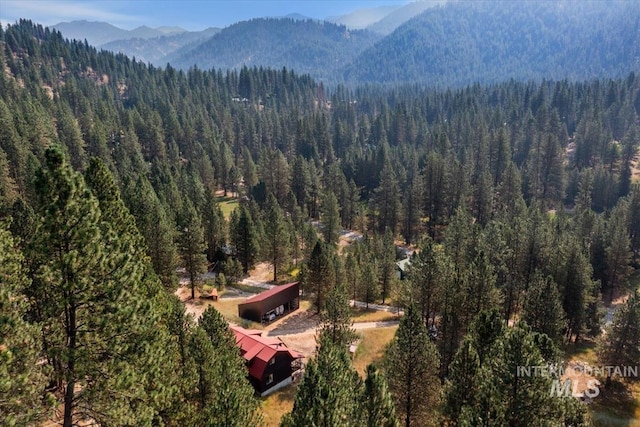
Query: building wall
x=255, y=310
x=280, y=369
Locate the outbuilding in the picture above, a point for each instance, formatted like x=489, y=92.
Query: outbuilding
x=272, y=304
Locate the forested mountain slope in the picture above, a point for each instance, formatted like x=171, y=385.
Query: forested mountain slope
x=450, y=44
x=398, y=17
x=466, y=42
x=156, y=49
x=308, y=46
x=520, y=197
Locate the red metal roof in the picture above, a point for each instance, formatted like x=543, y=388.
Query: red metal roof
x=258, y=350
x=273, y=291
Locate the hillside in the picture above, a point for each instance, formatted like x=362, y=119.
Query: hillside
x=154, y=50
x=318, y=48
x=446, y=44
x=397, y=17
x=466, y=42
x=362, y=18
x=99, y=33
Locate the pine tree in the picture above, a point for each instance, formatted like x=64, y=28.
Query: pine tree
x=22, y=221
x=387, y=199
x=543, y=309
x=377, y=406
x=461, y=387
x=243, y=236
x=425, y=275
x=230, y=400
x=8, y=188
x=330, y=217
x=487, y=327
x=353, y=275
x=578, y=291
x=329, y=392
x=156, y=227
x=160, y=356
x=387, y=257
x=201, y=359
x=508, y=397
x=411, y=369
x=13, y=155
x=22, y=378
x=412, y=201
x=335, y=323
x=493, y=390
x=634, y=220
x=618, y=254
x=191, y=245
x=214, y=228
x=86, y=296
x=277, y=244
x=319, y=275
x=370, y=283
x=620, y=345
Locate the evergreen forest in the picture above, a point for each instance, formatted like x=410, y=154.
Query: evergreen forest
x=519, y=201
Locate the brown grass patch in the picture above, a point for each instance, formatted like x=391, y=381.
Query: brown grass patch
x=617, y=405
x=277, y=404
x=359, y=315
x=371, y=348
x=228, y=307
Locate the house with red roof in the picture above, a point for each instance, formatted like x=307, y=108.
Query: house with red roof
x=271, y=364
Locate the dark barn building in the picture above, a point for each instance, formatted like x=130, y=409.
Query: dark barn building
x=270, y=363
x=271, y=304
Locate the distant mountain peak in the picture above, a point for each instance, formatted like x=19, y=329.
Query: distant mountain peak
x=297, y=17
x=362, y=18
x=171, y=30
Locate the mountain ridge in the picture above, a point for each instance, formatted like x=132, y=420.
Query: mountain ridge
x=456, y=43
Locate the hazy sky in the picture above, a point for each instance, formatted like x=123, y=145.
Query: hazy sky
x=189, y=14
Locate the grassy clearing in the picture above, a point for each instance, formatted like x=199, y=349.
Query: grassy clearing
x=229, y=310
x=359, y=315
x=584, y=351
x=371, y=348
x=227, y=205
x=277, y=404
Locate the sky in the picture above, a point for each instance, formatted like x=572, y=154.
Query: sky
x=189, y=14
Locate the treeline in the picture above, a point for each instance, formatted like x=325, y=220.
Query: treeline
x=519, y=197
